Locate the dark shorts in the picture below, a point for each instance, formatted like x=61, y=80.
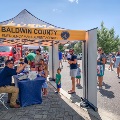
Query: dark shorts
x=78, y=77
x=68, y=59
x=59, y=86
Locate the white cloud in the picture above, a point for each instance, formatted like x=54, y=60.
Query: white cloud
x=57, y=10
x=73, y=1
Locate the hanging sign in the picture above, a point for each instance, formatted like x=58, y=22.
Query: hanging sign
x=40, y=33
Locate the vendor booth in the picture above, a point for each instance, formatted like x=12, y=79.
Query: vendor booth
x=26, y=29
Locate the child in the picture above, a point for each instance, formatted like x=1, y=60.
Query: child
x=43, y=72
x=58, y=80
x=78, y=75
x=21, y=62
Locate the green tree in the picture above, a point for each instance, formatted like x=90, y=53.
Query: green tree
x=107, y=39
x=71, y=45
x=61, y=47
x=78, y=47
x=45, y=48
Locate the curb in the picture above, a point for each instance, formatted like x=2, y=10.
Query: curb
x=100, y=115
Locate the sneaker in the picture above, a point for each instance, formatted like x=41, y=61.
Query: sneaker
x=56, y=92
x=99, y=88
x=15, y=106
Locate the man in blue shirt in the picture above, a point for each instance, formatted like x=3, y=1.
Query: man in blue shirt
x=73, y=69
x=60, y=58
x=6, y=79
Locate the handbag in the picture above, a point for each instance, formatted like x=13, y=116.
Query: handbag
x=100, y=70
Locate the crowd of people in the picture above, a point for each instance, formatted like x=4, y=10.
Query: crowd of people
x=102, y=59
x=115, y=62
x=39, y=63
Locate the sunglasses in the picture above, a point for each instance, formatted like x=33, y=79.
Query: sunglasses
x=11, y=63
x=99, y=50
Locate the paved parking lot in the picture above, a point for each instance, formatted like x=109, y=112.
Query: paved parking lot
x=108, y=97
x=57, y=107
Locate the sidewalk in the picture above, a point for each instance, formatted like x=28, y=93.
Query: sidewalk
x=74, y=102
x=54, y=107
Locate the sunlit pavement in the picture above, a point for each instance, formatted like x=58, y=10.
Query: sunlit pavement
x=53, y=107
x=60, y=107
x=108, y=96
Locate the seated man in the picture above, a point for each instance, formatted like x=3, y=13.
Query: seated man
x=6, y=79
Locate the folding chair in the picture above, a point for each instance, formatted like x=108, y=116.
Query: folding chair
x=2, y=100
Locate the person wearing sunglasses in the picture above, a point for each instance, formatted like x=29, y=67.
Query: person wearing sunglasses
x=38, y=57
x=6, y=82
x=73, y=70
x=100, y=66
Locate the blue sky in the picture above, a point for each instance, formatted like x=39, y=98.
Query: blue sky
x=70, y=14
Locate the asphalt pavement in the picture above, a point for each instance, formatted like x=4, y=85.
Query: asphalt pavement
x=65, y=107
x=108, y=96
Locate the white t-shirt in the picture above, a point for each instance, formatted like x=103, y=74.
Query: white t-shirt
x=68, y=55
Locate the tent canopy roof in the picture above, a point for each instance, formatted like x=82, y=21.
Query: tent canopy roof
x=26, y=19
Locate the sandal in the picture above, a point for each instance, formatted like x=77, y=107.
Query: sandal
x=71, y=92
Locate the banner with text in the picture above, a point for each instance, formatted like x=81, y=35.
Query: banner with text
x=40, y=33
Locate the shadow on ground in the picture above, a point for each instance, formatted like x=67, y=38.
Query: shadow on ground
x=108, y=94
x=53, y=107
x=106, y=85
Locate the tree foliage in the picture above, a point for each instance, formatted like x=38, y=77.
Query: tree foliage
x=107, y=39
x=78, y=47
x=61, y=47
x=71, y=45
x=45, y=48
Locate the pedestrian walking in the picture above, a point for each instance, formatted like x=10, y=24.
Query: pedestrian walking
x=60, y=59
x=117, y=63
x=65, y=57
x=111, y=59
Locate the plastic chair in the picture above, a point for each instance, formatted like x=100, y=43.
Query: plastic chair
x=2, y=100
